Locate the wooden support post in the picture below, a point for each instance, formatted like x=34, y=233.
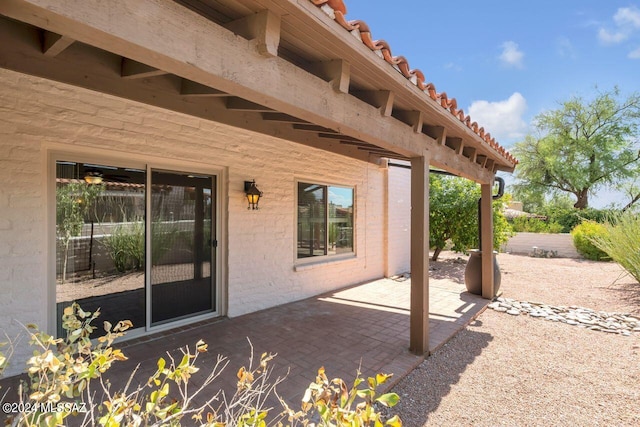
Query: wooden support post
x=486, y=231
x=419, y=321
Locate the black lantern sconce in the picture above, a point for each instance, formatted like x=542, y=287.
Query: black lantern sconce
x=253, y=194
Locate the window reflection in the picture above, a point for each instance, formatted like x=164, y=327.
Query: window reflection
x=325, y=220
x=100, y=238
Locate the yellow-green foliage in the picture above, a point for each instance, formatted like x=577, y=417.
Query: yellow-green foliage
x=534, y=225
x=622, y=242
x=583, y=235
x=66, y=375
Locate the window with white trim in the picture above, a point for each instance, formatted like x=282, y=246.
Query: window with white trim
x=325, y=220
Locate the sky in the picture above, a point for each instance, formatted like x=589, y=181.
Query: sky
x=507, y=61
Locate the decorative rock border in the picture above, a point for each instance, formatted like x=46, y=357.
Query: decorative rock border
x=613, y=323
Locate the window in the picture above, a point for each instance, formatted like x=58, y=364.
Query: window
x=325, y=220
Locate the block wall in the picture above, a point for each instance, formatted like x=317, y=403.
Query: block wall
x=38, y=115
x=399, y=220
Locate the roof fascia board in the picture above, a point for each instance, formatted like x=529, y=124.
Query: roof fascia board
x=193, y=47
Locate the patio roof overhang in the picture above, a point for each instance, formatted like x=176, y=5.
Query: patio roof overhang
x=282, y=68
x=226, y=63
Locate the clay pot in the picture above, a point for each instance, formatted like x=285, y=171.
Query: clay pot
x=473, y=273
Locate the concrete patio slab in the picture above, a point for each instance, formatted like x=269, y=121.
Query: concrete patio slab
x=363, y=327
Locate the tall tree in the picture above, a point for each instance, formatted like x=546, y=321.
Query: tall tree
x=584, y=145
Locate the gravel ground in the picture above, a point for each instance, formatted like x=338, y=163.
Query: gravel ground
x=523, y=371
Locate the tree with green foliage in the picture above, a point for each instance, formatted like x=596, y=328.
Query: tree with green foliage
x=585, y=145
x=453, y=215
x=73, y=202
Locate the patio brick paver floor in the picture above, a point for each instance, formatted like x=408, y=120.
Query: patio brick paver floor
x=364, y=326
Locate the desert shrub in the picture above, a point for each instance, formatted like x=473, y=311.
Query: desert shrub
x=125, y=246
x=583, y=235
x=66, y=375
x=569, y=218
x=534, y=225
x=622, y=242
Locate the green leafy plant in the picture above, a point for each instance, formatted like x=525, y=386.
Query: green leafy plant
x=534, y=225
x=337, y=405
x=583, y=235
x=125, y=246
x=622, y=242
x=73, y=201
x=126, y=243
x=453, y=215
x=66, y=374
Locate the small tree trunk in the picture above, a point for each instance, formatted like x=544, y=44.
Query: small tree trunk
x=436, y=253
x=66, y=257
x=583, y=199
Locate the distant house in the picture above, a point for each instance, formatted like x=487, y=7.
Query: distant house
x=129, y=129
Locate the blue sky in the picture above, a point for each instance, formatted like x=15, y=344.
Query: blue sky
x=507, y=61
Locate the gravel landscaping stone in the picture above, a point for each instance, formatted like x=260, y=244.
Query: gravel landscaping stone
x=519, y=371
x=613, y=323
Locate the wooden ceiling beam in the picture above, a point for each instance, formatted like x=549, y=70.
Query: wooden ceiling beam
x=339, y=136
x=470, y=153
x=240, y=104
x=262, y=29
x=312, y=128
x=415, y=119
x=136, y=70
x=439, y=133
x=455, y=144
x=53, y=44
x=189, y=88
x=337, y=72
x=282, y=118
x=381, y=99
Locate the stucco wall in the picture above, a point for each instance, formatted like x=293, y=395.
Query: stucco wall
x=399, y=220
x=560, y=244
x=38, y=115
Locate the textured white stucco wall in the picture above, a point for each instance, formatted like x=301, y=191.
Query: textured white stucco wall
x=399, y=220
x=38, y=116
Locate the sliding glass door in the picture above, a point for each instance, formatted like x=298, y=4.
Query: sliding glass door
x=138, y=244
x=181, y=240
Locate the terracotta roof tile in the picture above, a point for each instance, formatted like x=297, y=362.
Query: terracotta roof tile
x=337, y=10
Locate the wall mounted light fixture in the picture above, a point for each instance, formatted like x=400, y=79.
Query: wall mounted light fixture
x=93, y=176
x=252, y=193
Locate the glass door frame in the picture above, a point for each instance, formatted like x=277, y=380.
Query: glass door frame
x=215, y=258
x=58, y=152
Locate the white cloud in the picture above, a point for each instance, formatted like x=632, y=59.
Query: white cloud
x=608, y=37
x=511, y=56
x=627, y=16
x=452, y=66
x=503, y=119
x=626, y=21
x=565, y=48
x=634, y=54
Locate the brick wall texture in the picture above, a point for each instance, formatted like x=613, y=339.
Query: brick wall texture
x=38, y=116
x=398, y=221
